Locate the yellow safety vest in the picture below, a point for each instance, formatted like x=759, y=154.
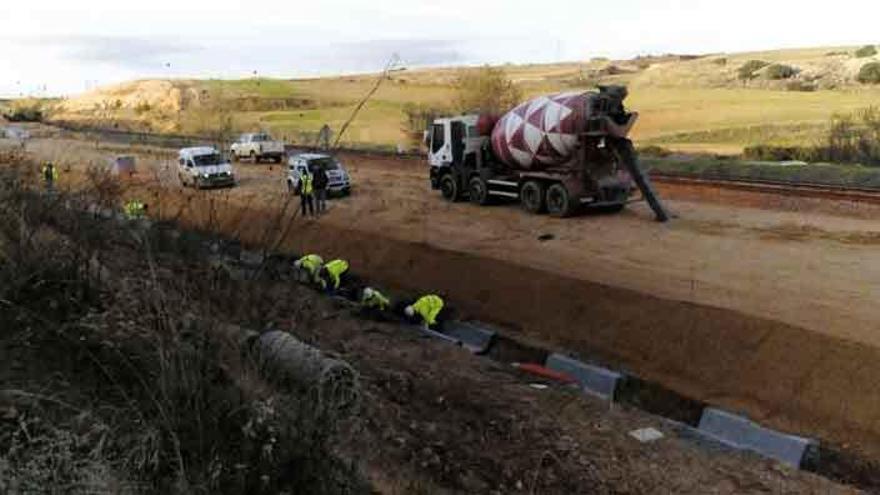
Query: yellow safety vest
x=377, y=300
x=428, y=307
x=335, y=269
x=312, y=263
x=134, y=209
x=307, y=184
x=53, y=175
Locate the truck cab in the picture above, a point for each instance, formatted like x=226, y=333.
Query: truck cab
x=452, y=141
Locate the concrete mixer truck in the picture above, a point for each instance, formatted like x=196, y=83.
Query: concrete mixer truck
x=556, y=154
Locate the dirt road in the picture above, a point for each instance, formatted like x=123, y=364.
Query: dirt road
x=751, y=302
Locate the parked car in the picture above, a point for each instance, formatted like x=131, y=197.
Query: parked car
x=257, y=146
x=204, y=166
x=339, y=180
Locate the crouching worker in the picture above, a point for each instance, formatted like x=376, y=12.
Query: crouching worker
x=331, y=275
x=426, y=311
x=135, y=209
x=374, y=305
x=309, y=268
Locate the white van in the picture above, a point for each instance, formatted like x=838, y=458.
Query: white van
x=204, y=166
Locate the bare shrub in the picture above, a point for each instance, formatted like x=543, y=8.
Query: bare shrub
x=748, y=69
x=866, y=51
x=855, y=137
x=417, y=118
x=486, y=90
x=869, y=73
x=780, y=71
x=27, y=110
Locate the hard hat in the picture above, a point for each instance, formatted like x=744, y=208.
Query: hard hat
x=409, y=311
x=368, y=292
x=297, y=264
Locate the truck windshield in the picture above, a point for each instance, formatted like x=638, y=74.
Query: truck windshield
x=437, y=132
x=208, y=160
x=325, y=163
x=258, y=138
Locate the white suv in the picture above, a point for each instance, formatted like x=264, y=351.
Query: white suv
x=339, y=182
x=204, y=166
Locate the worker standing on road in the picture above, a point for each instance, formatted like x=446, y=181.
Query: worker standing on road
x=427, y=310
x=331, y=275
x=50, y=176
x=306, y=193
x=309, y=268
x=135, y=209
x=321, y=183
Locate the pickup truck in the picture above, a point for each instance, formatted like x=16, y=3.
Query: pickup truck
x=257, y=146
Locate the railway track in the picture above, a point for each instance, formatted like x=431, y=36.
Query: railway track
x=799, y=189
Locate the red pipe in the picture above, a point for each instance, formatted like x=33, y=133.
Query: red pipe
x=544, y=372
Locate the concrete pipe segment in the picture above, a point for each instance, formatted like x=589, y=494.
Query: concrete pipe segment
x=286, y=361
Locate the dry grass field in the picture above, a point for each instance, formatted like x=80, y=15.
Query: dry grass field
x=688, y=103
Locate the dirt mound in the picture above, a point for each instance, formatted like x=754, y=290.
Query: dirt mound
x=156, y=93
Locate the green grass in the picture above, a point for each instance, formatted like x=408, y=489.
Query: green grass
x=707, y=167
x=786, y=134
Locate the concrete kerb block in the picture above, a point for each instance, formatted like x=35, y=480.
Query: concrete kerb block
x=742, y=433
x=251, y=258
x=594, y=380
x=474, y=337
x=436, y=335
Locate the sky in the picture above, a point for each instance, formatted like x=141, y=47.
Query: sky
x=52, y=47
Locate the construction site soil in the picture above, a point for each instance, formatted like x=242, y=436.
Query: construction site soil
x=434, y=419
x=753, y=302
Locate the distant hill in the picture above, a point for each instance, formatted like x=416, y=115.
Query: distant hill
x=705, y=102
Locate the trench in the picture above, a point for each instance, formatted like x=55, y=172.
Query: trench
x=678, y=356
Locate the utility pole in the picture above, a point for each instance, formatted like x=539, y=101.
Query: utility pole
x=391, y=66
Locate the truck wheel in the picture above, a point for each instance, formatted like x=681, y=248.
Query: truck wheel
x=559, y=202
x=449, y=188
x=532, y=197
x=478, y=192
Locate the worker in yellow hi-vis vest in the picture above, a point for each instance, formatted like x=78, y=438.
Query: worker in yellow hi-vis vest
x=372, y=298
x=332, y=273
x=309, y=268
x=135, y=209
x=50, y=176
x=307, y=193
x=427, y=310
x=375, y=305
